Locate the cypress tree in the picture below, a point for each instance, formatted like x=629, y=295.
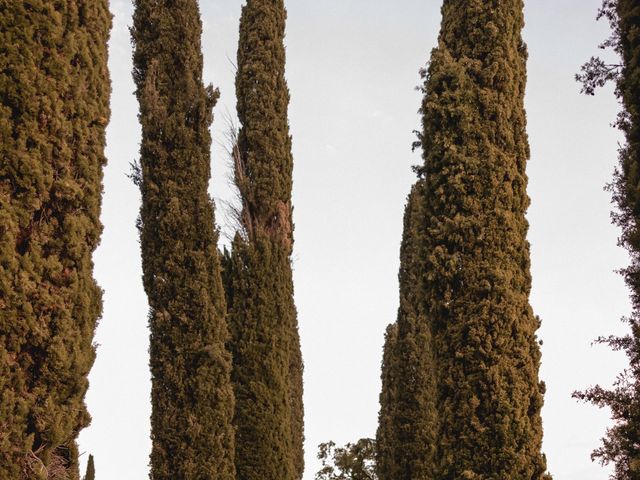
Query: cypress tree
x=54, y=107
x=296, y=389
x=477, y=282
x=267, y=363
x=385, y=455
x=407, y=444
x=620, y=445
x=192, y=396
x=91, y=470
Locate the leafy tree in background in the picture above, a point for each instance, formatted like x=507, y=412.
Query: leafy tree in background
x=621, y=445
x=354, y=461
x=54, y=107
x=267, y=363
x=192, y=396
x=91, y=470
x=474, y=313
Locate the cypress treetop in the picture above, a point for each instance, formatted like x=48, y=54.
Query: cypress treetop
x=264, y=175
x=91, y=470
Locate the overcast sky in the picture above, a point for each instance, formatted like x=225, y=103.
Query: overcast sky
x=352, y=66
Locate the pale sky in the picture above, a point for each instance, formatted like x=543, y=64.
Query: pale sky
x=352, y=66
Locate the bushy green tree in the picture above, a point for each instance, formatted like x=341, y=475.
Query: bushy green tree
x=477, y=263
x=621, y=445
x=354, y=461
x=54, y=107
x=192, y=396
x=267, y=363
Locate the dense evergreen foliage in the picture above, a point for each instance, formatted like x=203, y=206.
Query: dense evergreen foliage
x=91, y=469
x=354, y=461
x=192, y=396
x=54, y=107
x=621, y=446
x=413, y=420
x=386, y=462
x=477, y=263
x=468, y=398
x=267, y=363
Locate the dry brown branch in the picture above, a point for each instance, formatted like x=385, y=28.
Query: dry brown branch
x=35, y=469
x=236, y=211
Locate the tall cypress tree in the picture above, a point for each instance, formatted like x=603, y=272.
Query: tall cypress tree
x=192, y=396
x=406, y=445
x=620, y=446
x=54, y=106
x=386, y=451
x=475, y=314
x=267, y=363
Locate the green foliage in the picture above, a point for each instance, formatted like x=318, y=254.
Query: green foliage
x=265, y=163
x=261, y=307
x=267, y=363
x=54, y=106
x=477, y=263
x=386, y=436
x=354, y=461
x=468, y=398
x=596, y=72
x=192, y=395
x=91, y=470
x=408, y=418
x=621, y=444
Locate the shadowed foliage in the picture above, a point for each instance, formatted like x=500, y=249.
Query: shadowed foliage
x=386, y=451
x=192, y=396
x=54, y=107
x=408, y=419
x=267, y=363
x=621, y=445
